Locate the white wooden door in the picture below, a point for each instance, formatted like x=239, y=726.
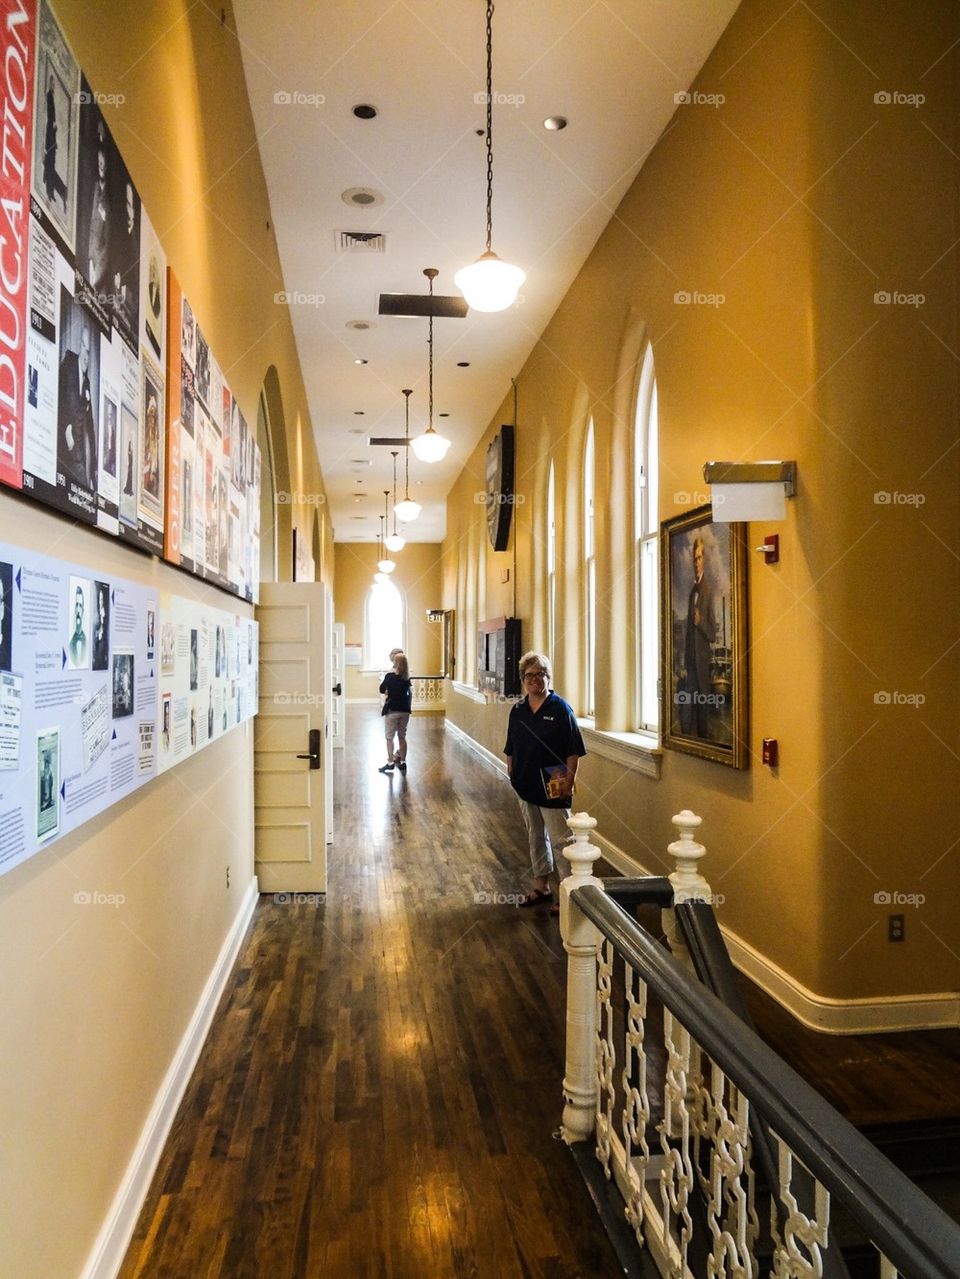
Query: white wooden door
x=327, y=703
x=290, y=761
x=337, y=724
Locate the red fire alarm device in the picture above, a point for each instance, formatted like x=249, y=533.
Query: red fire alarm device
x=771, y=751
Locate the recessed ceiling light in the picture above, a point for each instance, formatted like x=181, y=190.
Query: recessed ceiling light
x=358, y=360
x=360, y=325
x=463, y=364
x=555, y=123
x=358, y=412
x=357, y=430
x=364, y=111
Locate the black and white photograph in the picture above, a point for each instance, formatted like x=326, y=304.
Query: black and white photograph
x=101, y=627
x=153, y=287
x=125, y=261
x=186, y=470
x=152, y=445
x=108, y=437
x=188, y=334
x=98, y=212
x=201, y=371
x=165, y=723
x=194, y=659
x=6, y=616
x=186, y=397
x=122, y=685
x=79, y=604
x=79, y=390
x=168, y=640
x=48, y=782
x=151, y=628
x=55, y=126
x=129, y=465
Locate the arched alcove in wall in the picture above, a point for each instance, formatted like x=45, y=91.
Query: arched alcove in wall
x=275, y=517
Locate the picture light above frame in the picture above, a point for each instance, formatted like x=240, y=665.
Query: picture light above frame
x=744, y=491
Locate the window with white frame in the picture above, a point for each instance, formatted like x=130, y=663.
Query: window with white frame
x=551, y=565
x=382, y=625
x=589, y=574
x=646, y=534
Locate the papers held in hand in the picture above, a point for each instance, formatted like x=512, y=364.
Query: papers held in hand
x=555, y=781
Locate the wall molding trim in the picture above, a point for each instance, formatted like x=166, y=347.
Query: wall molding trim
x=106, y=1256
x=938, y=1010
x=469, y=692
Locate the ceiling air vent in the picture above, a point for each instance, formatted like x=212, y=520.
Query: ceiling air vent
x=361, y=242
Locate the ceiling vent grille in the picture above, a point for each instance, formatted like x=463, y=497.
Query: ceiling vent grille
x=361, y=242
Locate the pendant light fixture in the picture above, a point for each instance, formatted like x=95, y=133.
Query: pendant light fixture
x=395, y=542
x=407, y=510
x=490, y=284
x=430, y=447
x=385, y=565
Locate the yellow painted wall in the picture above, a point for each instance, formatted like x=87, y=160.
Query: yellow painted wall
x=797, y=199
x=417, y=577
x=95, y=1000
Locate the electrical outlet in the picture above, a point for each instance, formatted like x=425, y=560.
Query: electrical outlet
x=895, y=927
x=228, y=878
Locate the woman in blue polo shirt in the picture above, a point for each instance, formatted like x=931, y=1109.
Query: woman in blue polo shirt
x=543, y=751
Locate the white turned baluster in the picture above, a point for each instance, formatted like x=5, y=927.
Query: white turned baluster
x=581, y=939
x=686, y=879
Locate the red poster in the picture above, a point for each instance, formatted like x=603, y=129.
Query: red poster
x=17, y=46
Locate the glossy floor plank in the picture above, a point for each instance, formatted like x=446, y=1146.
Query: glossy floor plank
x=378, y=1094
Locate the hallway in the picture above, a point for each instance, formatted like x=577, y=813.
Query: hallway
x=380, y=1086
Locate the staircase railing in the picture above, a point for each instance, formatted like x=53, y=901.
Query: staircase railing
x=725, y=1161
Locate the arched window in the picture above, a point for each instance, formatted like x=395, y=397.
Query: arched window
x=589, y=574
x=382, y=625
x=646, y=532
x=551, y=565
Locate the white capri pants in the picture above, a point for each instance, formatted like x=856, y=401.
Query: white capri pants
x=547, y=833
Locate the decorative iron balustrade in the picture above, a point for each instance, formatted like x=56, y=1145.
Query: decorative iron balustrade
x=428, y=691
x=727, y=1164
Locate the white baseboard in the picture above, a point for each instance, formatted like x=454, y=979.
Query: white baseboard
x=107, y=1254
x=482, y=751
x=935, y=1011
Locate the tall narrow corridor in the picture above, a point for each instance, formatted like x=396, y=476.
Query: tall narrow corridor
x=379, y=1091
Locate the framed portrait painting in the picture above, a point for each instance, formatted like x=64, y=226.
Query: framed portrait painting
x=704, y=708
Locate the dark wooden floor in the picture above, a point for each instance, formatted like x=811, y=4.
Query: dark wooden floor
x=378, y=1093
x=380, y=1088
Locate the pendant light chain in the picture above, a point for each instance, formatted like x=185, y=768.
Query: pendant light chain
x=489, y=124
x=406, y=490
x=394, y=493
x=430, y=346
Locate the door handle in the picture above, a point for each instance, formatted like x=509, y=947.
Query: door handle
x=313, y=745
x=337, y=690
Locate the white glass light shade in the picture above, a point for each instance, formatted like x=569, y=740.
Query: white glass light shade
x=430, y=447
x=394, y=542
x=490, y=284
x=407, y=510
x=386, y=566
x=381, y=578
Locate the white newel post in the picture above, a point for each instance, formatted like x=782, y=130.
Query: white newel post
x=581, y=940
x=686, y=879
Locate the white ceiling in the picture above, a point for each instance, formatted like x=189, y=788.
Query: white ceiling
x=611, y=68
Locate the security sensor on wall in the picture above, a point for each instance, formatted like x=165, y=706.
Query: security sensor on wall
x=750, y=490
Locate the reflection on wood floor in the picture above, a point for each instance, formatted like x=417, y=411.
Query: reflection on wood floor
x=379, y=1090
x=381, y=1084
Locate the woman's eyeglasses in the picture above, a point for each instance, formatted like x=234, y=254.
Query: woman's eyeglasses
x=534, y=674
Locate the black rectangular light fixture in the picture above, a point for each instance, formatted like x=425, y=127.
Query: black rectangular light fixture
x=419, y=304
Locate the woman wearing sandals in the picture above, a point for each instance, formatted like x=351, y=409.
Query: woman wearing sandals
x=396, y=710
x=543, y=751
